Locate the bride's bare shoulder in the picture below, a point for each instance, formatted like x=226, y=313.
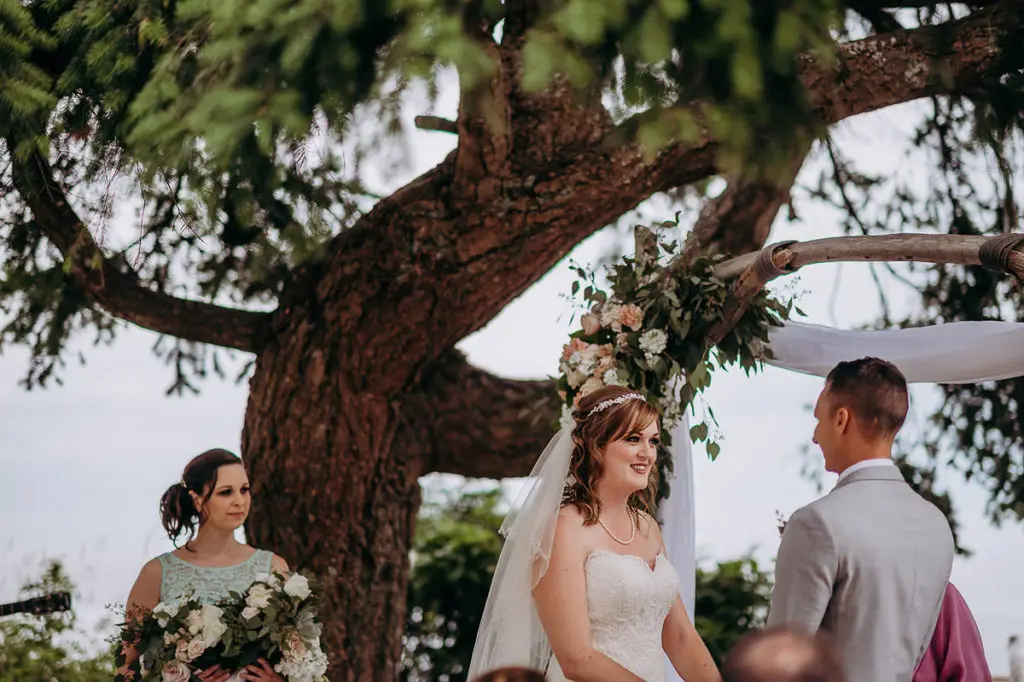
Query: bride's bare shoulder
x=570, y=522
x=570, y=516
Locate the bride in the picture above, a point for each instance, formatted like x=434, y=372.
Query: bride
x=605, y=600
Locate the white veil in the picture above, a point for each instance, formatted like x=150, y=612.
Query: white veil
x=510, y=631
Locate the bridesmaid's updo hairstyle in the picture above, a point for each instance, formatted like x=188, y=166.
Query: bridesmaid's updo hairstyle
x=178, y=511
x=595, y=429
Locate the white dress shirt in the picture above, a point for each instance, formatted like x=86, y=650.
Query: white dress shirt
x=866, y=464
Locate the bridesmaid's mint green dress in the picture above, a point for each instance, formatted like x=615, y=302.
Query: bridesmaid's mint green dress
x=209, y=584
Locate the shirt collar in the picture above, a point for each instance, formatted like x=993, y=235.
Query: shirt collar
x=866, y=464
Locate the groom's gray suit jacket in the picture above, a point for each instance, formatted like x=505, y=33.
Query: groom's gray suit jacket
x=869, y=564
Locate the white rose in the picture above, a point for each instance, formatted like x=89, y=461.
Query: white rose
x=175, y=671
x=268, y=578
x=249, y=612
x=259, y=597
x=297, y=586
x=194, y=622
x=653, y=342
x=213, y=625
x=181, y=651
x=613, y=378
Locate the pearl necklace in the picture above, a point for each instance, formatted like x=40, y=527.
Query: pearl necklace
x=632, y=527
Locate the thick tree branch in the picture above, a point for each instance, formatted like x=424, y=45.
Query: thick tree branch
x=739, y=219
x=484, y=127
x=117, y=290
x=482, y=425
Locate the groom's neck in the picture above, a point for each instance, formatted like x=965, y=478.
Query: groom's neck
x=869, y=452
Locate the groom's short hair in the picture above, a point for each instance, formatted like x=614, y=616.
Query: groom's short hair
x=874, y=390
x=783, y=655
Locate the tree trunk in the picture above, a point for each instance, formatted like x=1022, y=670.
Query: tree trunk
x=336, y=493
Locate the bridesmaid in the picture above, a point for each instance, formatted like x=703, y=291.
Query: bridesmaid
x=208, y=504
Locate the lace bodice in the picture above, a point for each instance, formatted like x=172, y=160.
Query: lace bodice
x=210, y=584
x=628, y=603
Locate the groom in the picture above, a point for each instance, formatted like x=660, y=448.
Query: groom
x=870, y=561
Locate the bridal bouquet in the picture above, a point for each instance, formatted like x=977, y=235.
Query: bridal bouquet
x=274, y=619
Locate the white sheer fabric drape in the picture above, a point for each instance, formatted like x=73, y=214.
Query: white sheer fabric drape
x=953, y=353
x=957, y=352
x=678, y=523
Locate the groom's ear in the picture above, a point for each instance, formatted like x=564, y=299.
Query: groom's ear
x=842, y=419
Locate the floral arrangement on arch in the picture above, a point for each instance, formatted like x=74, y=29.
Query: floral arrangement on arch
x=275, y=619
x=649, y=330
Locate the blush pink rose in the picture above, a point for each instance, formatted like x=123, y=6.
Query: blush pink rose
x=574, y=346
x=591, y=324
x=631, y=316
x=175, y=671
x=196, y=649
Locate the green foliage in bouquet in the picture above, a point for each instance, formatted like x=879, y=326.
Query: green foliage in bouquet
x=650, y=331
x=276, y=619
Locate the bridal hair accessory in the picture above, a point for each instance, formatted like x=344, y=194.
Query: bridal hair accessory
x=611, y=402
x=183, y=484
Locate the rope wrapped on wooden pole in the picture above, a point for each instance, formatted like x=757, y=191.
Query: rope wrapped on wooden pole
x=1003, y=253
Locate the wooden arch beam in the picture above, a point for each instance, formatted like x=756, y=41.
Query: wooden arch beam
x=753, y=271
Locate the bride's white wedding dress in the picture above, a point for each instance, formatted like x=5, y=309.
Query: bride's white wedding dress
x=628, y=601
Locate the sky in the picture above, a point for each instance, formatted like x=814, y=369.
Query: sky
x=82, y=466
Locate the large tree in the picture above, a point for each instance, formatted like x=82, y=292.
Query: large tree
x=227, y=124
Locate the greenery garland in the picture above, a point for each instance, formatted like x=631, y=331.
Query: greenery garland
x=649, y=332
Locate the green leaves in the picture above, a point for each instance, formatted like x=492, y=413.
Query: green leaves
x=672, y=63
x=732, y=599
x=26, y=97
x=456, y=550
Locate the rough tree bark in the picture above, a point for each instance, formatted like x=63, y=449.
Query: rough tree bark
x=357, y=391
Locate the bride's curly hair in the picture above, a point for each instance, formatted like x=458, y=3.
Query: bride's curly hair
x=593, y=432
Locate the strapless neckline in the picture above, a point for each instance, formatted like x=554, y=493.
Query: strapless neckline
x=651, y=566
